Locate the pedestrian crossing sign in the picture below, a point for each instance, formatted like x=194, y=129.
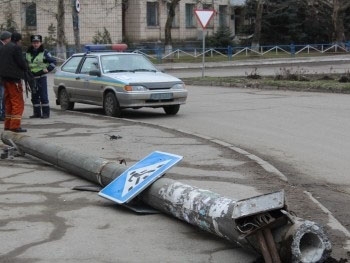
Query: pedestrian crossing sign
x=139, y=176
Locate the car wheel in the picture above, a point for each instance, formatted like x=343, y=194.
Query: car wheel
x=111, y=105
x=172, y=109
x=64, y=100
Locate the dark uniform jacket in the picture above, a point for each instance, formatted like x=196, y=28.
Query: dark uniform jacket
x=1, y=45
x=12, y=63
x=48, y=59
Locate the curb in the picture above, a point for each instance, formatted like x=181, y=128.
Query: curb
x=228, y=64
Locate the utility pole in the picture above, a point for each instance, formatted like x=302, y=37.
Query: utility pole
x=262, y=223
x=76, y=27
x=61, y=46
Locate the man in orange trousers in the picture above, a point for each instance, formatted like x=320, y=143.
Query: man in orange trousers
x=12, y=69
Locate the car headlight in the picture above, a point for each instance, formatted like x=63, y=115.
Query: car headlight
x=178, y=86
x=134, y=88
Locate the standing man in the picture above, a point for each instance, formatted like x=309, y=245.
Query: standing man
x=12, y=69
x=40, y=62
x=5, y=37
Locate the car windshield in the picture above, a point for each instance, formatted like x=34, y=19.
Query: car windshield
x=125, y=63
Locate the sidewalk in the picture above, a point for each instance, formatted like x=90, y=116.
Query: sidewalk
x=43, y=220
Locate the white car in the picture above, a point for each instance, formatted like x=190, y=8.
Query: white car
x=115, y=81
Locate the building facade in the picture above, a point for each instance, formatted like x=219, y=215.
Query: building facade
x=134, y=21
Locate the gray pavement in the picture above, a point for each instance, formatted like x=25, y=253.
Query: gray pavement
x=43, y=220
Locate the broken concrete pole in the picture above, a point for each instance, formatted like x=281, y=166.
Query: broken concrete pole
x=245, y=222
x=296, y=239
x=89, y=167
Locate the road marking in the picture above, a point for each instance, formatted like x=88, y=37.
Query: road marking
x=333, y=222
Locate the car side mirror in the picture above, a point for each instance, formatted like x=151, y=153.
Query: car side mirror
x=95, y=72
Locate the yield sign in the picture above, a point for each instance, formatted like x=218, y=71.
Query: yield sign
x=204, y=16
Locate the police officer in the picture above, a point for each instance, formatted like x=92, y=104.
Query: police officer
x=12, y=69
x=40, y=62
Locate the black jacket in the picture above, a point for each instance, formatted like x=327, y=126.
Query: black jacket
x=12, y=62
x=1, y=45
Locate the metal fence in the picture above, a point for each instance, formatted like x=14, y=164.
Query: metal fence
x=159, y=55
x=237, y=52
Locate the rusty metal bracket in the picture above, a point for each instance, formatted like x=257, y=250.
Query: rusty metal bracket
x=258, y=204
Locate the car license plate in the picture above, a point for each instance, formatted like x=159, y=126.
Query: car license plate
x=161, y=96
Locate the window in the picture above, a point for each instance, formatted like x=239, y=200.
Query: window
x=71, y=65
x=90, y=63
x=190, y=15
x=152, y=14
x=125, y=62
x=222, y=15
x=30, y=14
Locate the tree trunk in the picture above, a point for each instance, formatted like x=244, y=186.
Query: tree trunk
x=258, y=20
x=168, y=26
x=61, y=46
x=125, y=6
x=339, y=8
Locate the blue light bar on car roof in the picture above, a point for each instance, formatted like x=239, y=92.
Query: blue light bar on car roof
x=107, y=47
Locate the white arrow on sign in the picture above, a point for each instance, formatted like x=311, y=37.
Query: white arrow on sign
x=204, y=16
x=137, y=176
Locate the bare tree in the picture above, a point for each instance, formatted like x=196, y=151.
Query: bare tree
x=339, y=8
x=258, y=21
x=61, y=46
x=9, y=23
x=168, y=25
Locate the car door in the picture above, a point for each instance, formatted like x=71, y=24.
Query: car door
x=88, y=87
x=68, y=77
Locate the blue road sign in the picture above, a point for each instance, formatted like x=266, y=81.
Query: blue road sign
x=139, y=176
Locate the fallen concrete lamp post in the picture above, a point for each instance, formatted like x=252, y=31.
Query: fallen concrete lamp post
x=260, y=223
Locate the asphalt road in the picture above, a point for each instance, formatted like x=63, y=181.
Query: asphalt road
x=304, y=135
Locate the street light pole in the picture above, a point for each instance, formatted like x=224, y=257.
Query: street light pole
x=261, y=223
x=76, y=26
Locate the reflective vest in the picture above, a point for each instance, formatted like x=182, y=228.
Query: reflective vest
x=37, y=64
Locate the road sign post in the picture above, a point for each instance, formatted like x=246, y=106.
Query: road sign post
x=204, y=17
x=203, y=56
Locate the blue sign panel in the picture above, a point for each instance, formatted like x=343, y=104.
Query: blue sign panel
x=139, y=176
